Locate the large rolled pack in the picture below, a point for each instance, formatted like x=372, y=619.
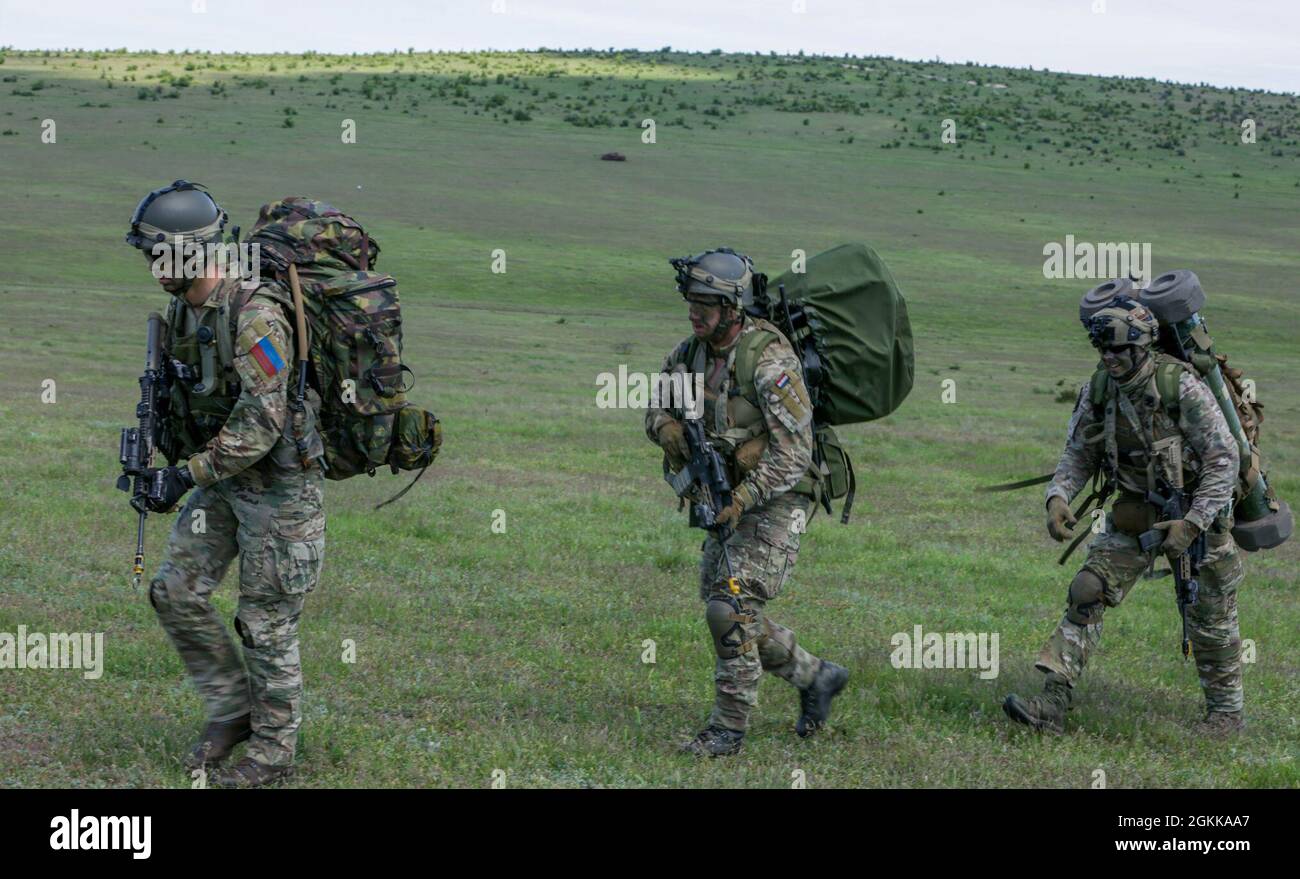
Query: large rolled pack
x=1176, y=298
x=858, y=327
x=847, y=320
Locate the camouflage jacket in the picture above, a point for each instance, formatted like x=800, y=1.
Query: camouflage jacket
x=258, y=428
x=1204, y=444
x=782, y=414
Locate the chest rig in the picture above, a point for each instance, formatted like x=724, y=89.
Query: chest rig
x=1143, y=440
x=205, y=385
x=1140, y=442
x=731, y=406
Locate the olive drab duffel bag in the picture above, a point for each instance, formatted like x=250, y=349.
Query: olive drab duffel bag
x=355, y=331
x=847, y=319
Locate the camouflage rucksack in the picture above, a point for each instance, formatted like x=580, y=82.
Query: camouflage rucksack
x=355, y=331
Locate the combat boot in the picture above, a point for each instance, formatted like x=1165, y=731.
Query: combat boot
x=815, y=699
x=1221, y=724
x=715, y=741
x=1045, y=712
x=250, y=773
x=218, y=740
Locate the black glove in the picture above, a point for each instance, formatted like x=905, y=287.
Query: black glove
x=167, y=486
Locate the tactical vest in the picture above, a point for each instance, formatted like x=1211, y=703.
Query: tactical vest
x=206, y=385
x=741, y=419
x=1129, y=450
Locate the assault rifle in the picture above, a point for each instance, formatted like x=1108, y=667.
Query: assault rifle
x=703, y=483
x=1173, y=503
x=139, y=443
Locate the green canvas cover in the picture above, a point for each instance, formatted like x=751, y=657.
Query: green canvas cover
x=860, y=330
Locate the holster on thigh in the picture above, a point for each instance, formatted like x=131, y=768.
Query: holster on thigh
x=1087, y=591
x=730, y=625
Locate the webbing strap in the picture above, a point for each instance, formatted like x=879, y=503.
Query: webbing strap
x=1023, y=483
x=1168, y=376
x=1100, y=495
x=748, y=350
x=853, y=489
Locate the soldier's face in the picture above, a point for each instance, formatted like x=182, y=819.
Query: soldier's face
x=1120, y=362
x=173, y=285
x=705, y=316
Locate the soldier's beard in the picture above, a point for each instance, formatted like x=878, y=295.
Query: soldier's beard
x=178, y=287
x=730, y=317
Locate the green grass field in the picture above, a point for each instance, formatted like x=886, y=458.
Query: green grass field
x=522, y=651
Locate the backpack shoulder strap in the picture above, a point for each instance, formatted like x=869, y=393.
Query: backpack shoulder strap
x=1097, y=389
x=230, y=328
x=1168, y=374
x=748, y=350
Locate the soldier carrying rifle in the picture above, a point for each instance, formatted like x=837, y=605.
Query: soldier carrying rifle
x=758, y=420
x=1148, y=430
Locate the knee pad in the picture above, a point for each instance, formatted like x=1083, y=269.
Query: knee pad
x=726, y=622
x=1086, y=591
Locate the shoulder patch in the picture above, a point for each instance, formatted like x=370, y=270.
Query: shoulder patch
x=788, y=401
x=264, y=345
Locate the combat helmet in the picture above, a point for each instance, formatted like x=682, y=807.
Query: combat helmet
x=1121, y=322
x=181, y=210
x=721, y=272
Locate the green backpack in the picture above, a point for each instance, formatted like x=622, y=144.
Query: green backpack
x=847, y=319
x=355, y=332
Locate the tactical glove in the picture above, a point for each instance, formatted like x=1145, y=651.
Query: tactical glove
x=741, y=500
x=673, y=441
x=1059, y=519
x=749, y=452
x=1179, y=534
x=167, y=486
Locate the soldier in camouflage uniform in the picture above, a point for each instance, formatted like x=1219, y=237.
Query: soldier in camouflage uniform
x=257, y=495
x=759, y=418
x=1128, y=434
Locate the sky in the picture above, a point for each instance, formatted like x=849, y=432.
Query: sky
x=1242, y=43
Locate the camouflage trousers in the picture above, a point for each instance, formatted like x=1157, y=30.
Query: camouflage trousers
x=763, y=551
x=1211, y=623
x=277, y=528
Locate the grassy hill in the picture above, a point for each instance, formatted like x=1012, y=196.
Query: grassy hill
x=521, y=651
